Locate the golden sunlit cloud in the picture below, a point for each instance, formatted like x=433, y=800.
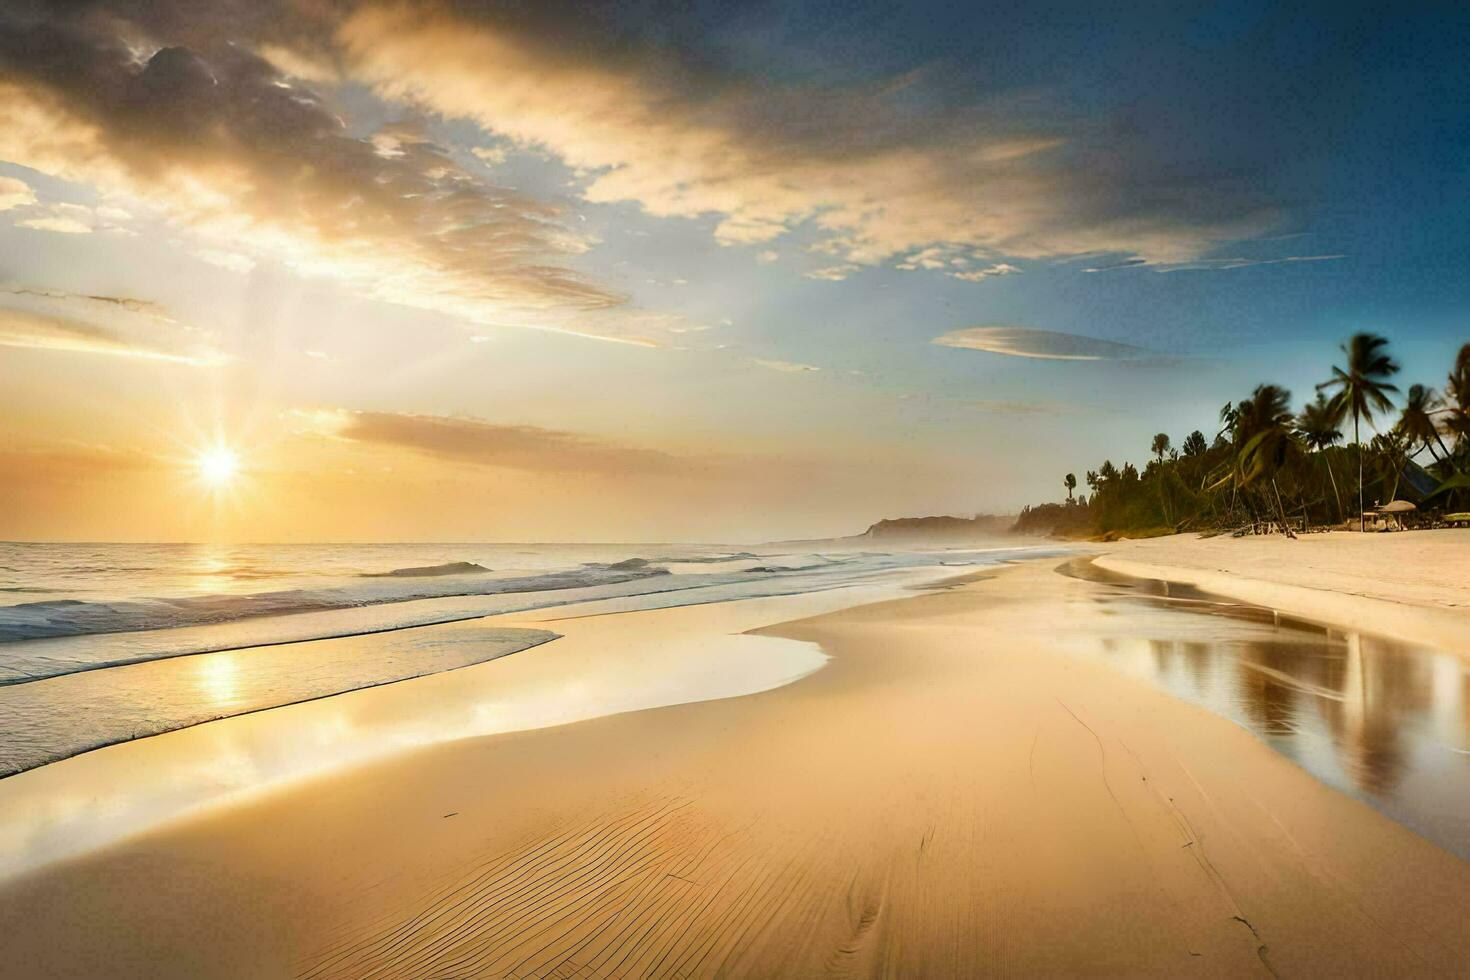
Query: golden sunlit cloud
x=137, y=336
x=878, y=181
x=1048, y=345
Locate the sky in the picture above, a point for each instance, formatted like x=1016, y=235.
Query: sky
x=458, y=271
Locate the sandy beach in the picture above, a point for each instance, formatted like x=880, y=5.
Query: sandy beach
x=955, y=792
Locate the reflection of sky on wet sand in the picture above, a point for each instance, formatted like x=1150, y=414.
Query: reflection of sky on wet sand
x=1385, y=722
x=599, y=667
x=51, y=719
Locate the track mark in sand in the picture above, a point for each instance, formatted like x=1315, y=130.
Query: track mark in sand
x=1260, y=946
x=1103, y=768
x=1195, y=843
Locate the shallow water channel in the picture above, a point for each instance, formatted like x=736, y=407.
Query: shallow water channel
x=1383, y=721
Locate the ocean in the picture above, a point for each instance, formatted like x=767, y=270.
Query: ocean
x=103, y=643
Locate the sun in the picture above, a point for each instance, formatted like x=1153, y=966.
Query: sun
x=218, y=466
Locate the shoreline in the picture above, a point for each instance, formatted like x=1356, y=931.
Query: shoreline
x=1004, y=806
x=95, y=797
x=1411, y=586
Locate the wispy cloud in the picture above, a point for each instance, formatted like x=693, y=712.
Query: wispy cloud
x=76, y=219
x=785, y=367
x=832, y=273
x=69, y=462
x=1042, y=344
x=38, y=331
x=129, y=304
x=956, y=261
x=1242, y=263
x=15, y=193
x=481, y=442
x=225, y=259
x=1204, y=265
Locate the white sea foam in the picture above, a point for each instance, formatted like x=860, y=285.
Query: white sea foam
x=78, y=672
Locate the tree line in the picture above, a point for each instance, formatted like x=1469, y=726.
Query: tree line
x=1270, y=466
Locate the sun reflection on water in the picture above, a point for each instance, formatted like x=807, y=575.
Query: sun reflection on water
x=218, y=676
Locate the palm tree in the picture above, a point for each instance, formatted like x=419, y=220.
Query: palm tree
x=1195, y=445
x=1159, y=447
x=1391, y=451
x=1229, y=416
x=1362, y=388
x=1457, y=397
x=1317, y=426
x=1070, y=482
x=1265, y=422
x=1417, y=424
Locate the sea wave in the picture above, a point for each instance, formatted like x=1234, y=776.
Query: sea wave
x=430, y=571
x=72, y=617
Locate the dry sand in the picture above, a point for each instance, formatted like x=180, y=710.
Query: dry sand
x=952, y=795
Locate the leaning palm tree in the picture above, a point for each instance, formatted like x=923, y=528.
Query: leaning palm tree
x=1363, y=388
x=1266, y=410
x=1317, y=425
x=1270, y=442
x=1391, y=451
x=1417, y=424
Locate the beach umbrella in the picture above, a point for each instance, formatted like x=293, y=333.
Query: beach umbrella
x=1397, y=507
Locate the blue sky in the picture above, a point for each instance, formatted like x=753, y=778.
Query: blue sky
x=400, y=238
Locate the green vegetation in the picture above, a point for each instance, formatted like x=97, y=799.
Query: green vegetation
x=1270, y=468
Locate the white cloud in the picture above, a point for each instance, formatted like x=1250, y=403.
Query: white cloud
x=832, y=273
x=989, y=272
x=492, y=156
x=230, y=261
x=78, y=219
x=15, y=193
x=61, y=225
x=786, y=367
x=1042, y=344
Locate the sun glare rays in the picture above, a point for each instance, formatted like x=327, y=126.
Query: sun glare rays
x=219, y=466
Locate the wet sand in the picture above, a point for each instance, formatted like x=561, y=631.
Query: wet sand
x=956, y=793
x=1410, y=585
